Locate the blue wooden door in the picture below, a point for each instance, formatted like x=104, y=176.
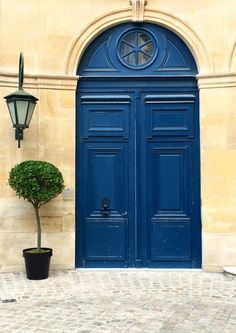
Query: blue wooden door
x=169, y=196
x=138, y=198
x=106, y=180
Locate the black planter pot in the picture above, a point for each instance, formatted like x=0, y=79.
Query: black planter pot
x=37, y=264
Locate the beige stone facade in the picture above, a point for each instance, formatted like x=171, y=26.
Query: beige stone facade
x=53, y=36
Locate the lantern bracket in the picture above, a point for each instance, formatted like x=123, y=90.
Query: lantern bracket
x=19, y=135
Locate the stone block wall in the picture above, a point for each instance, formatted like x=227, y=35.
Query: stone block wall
x=53, y=36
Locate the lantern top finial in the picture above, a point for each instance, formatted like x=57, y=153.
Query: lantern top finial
x=21, y=71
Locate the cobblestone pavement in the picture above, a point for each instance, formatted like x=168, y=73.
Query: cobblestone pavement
x=102, y=301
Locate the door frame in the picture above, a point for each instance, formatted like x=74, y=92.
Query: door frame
x=173, y=85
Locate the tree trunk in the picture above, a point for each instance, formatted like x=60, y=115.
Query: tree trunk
x=38, y=229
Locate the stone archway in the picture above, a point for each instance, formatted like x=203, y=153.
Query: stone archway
x=138, y=167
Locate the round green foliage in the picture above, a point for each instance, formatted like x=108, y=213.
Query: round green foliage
x=36, y=181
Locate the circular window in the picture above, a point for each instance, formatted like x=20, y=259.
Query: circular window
x=137, y=48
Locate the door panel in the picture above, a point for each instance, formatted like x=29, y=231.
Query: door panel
x=105, y=115
x=170, y=115
x=106, y=239
x=168, y=178
x=170, y=241
x=170, y=204
x=106, y=176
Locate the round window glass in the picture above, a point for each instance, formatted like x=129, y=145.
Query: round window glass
x=136, y=48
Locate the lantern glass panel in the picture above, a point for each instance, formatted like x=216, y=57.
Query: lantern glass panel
x=22, y=108
x=11, y=107
x=30, y=112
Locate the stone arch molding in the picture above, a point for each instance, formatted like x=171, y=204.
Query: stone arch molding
x=169, y=21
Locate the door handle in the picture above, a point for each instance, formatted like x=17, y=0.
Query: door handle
x=125, y=216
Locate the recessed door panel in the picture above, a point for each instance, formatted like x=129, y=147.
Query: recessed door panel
x=170, y=242
x=170, y=215
x=168, y=178
x=106, y=239
x=105, y=115
x=105, y=164
x=170, y=115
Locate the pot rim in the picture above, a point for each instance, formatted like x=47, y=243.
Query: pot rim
x=48, y=253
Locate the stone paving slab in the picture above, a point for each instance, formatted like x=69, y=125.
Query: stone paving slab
x=118, y=301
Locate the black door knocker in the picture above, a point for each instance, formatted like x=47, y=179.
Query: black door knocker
x=105, y=211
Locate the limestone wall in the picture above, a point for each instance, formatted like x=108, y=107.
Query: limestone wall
x=53, y=36
x=51, y=138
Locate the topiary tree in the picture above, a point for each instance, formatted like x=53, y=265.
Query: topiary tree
x=38, y=182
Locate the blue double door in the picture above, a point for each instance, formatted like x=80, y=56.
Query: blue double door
x=138, y=175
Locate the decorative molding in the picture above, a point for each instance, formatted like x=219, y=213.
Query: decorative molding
x=138, y=10
x=220, y=80
x=105, y=98
x=187, y=34
x=92, y=30
x=61, y=82
x=179, y=97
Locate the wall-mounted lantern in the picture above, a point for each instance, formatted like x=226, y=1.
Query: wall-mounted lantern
x=21, y=105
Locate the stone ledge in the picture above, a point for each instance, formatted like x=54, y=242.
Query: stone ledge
x=69, y=82
x=40, y=81
x=216, y=80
